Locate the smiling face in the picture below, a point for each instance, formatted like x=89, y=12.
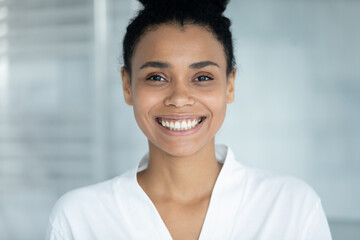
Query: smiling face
x=179, y=88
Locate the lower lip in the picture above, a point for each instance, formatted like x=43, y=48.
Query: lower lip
x=182, y=132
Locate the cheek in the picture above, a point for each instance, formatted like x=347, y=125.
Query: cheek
x=216, y=103
x=144, y=101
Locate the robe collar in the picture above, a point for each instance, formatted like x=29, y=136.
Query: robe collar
x=224, y=202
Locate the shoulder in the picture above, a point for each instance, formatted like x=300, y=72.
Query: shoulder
x=82, y=210
x=71, y=209
x=278, y=201
x=86, y=195
x=267, y=183
x=92, y=197
x=82, y=202
x=279, y=186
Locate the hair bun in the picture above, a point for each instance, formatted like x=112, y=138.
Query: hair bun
x=145, y=3
x=219, y=5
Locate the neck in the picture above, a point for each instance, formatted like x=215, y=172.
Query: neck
x=181, y=178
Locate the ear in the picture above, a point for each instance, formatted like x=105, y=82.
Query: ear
x=230, y=86
x=126, y=82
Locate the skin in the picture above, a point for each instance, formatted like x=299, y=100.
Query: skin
x=182, y=170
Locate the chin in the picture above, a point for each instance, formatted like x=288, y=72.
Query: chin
x=180, y=149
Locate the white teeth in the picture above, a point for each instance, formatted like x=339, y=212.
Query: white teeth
x=183, y=125
x=180, y=125
x=189, y=125
x=193, y=123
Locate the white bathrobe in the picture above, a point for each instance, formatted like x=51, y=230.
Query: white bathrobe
x=246, y=204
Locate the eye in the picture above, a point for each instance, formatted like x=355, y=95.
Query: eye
x=156, y=78
x=203, y=78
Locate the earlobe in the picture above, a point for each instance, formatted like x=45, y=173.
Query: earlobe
x=126, y=82
x=230, y=91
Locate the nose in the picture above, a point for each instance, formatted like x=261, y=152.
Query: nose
x=179, y=97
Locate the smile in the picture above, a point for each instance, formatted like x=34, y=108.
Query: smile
x=183, y=124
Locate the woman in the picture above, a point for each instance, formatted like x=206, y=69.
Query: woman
x=178, y=75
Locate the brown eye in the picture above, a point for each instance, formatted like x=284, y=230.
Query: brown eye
x=203, y=78
x=156, y=78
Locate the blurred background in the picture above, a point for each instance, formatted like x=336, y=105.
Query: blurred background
x=64, y=124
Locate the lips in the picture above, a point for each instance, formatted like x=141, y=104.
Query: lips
x=179, y=123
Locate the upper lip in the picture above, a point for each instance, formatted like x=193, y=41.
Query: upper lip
x=180, y=116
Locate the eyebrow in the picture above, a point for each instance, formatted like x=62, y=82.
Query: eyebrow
x=196, y=65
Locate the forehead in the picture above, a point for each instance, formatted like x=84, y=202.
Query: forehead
x=174, y=43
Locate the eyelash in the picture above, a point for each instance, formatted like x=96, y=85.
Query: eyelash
x=151, y=78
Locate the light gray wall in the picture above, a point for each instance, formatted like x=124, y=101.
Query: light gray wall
x=296, y=111
x=298, y=94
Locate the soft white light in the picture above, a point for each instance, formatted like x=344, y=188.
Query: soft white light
x=3, y=29
x=4, y=77
x=3, y=12
x=3, y=46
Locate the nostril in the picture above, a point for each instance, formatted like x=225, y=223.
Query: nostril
x=179, y=99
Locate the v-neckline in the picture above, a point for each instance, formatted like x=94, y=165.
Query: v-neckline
x=221, y=158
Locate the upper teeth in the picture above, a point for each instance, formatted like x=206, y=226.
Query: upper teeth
x=179, y=125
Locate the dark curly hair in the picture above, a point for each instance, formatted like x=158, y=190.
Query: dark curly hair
x=206, y=13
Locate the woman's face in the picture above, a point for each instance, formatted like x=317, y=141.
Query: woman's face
x=178, y=88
